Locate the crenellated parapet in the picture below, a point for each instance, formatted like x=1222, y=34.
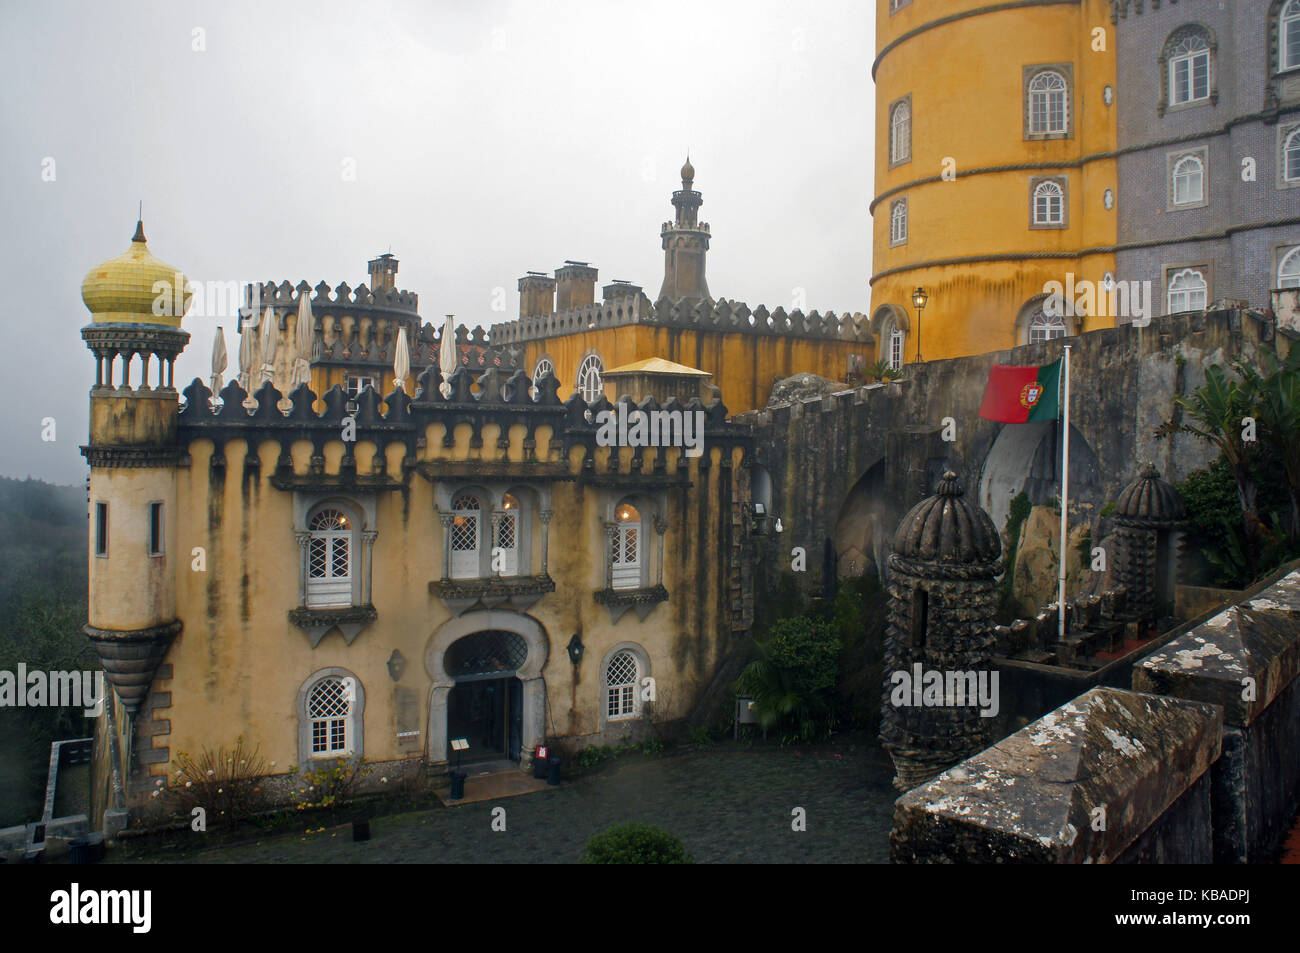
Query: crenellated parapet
x=720, y=315
x=492, y=397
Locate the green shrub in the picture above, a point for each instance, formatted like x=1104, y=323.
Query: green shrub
x=793, y=678
x=635, y=844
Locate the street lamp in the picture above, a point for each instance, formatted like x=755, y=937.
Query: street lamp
x=919, y=299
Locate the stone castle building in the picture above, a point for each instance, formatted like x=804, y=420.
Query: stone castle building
x=371, y=576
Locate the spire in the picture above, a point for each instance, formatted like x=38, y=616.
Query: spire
x=139, y=224
x=685, y=241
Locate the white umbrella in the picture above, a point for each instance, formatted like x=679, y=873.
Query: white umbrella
x=268, y=342
x=219, y=360
x=447, y=356
x=248, y=360
x=302, y=343
x=401, y=361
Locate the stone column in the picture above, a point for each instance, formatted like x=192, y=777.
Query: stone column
x=661, y=527
x=495, y=540
x=445, y=519
x=611, y=536
x=303, y=540
x=368, y=549
x=546, y=537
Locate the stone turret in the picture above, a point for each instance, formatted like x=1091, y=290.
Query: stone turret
x=136, y=337
x=383, y=273
x=685, y=242
x=942, y=612
x=575, y=285
x=536, y=294
x=1149, y=515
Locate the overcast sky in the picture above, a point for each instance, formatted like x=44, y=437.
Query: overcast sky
x=488, y=139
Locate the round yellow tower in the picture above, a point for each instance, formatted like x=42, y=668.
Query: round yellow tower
x=136, y=303
x=995, y=174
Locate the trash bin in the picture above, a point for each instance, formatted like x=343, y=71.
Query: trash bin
x=95, y=848
x=539, y=761
x=553, y=770
x=458, y=784
x=78, y=851
x=360, y=829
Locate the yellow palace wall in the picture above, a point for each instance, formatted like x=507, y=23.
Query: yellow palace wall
x=965, y=79
x=239, y=663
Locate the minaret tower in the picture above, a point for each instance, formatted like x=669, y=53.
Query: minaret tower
x=136, y=303
x=685, y=241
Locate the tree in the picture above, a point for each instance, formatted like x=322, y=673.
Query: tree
x=635, y=844
x=793, y=676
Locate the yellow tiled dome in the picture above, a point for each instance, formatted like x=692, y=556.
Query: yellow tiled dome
x=125, y=289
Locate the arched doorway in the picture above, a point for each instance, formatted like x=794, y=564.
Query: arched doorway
x=1027, y=458
x=486, y=669
x=485, y=705
x=862, y=530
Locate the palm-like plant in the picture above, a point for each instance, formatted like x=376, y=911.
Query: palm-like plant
x=1277, y=394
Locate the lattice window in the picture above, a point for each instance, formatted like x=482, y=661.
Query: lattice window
x=491, y=653
x=357, y=383
x=1291, y=156
x=589, y=371
x=1288, y=56
x=1288, y=270
x=1189, y=70
x=1044, y=327
x=1048, y=104
x=621, y=677
x=1188, y=291
x=329, y=559
x=466, y=514
x=329, y=707
x=627, y=548
x=544, y=367
x=1049, y=204
x=898, y=222
x=1189, y=181
x=900, y=133
x=508, y=536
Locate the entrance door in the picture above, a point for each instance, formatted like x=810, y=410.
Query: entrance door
x=485, y=705
x=515, y=710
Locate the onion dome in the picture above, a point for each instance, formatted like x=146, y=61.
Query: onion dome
x=947, y=528
x=1150, y=500
x=688, y=171
x=127, y=289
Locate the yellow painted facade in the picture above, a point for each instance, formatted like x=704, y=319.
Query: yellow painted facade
x=970, y=160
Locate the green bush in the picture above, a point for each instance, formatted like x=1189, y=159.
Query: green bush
x=635, y=844
x=793, y=678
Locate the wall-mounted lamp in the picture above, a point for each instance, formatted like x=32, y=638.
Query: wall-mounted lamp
x=777, y=526
x=575, y=649
x=396, y=665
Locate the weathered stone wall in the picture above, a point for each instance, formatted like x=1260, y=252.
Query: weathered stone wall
x=1123, y=383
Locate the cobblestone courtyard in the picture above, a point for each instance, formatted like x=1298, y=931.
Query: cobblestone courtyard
x=728, y=804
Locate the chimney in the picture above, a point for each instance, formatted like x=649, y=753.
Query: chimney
x=383, y=273
x=536, y=294
x=621, y=288
x=575, y=285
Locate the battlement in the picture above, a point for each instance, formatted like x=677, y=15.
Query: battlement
x=673, y=227
x=720, y=315
x=285, y=296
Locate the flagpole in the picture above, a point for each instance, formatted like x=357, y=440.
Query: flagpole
x=1065, y=491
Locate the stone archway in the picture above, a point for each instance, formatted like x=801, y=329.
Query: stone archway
x=1026, y=458
x=863, y=532
x=529, y=674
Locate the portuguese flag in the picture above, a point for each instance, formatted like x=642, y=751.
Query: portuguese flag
x=1022, y=395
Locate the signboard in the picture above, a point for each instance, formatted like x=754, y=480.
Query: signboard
x=459, y=744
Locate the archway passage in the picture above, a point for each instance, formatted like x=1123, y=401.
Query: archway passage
x=862, y=535
x=1027, y=458
x=485, y=705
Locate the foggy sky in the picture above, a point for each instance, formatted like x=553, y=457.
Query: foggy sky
x=489, y=138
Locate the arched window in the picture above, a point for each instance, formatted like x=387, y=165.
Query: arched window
x=900, y=133
x=622, y=676
x=329, y=559
x=1049, y=204
x=1044, y=327
x=508, y=536
x=898, y=222
x=894, y=347
x=1048, y=104
x=544, y=367
x=1187, y=291
x=588, y=383
x=1291, y=156
x=329, y=713
x=1288, y=36
x=628, y=547
x=466, y=512
x=1189, y=181
x=1288, y=269
x=1189, y=68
